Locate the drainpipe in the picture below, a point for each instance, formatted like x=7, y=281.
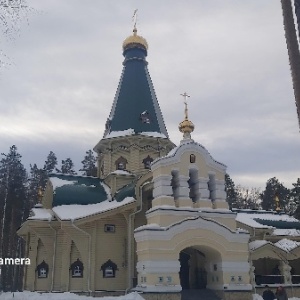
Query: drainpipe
x=54, y=255
x=130, y=235
x=89, y=260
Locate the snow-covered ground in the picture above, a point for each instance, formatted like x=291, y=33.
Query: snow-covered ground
x=70, y=296
x=62, y=296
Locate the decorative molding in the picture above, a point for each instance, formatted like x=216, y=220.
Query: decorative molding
x=198, y=223
x=190, y=146
x=158, y=266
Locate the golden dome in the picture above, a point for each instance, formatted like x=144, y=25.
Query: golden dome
x=134, y=40
x=186, y=126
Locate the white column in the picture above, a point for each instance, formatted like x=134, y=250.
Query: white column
x=183, y=194
x=162, y=191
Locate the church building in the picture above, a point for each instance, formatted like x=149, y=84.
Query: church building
x=155, y=219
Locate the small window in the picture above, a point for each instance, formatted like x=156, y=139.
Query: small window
x=42, y=270
x=232, y=278
x=110, y=228
x=109, y=269
x=109, y=272
x=147, y=162
x=160, y=279
x=215, y=267
x=121, y=163
x=192, y=158
x=145, y=117
x=169, y=279
x=77, y=269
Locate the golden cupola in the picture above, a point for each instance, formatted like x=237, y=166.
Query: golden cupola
x=186, y=126
x=134, y=41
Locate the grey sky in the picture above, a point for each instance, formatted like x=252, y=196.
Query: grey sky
x=230, y=56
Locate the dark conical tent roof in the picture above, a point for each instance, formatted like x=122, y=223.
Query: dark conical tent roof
x=135, y=105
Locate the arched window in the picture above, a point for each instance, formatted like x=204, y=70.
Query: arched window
x=147, y=162
x=109, y=269
x=192, y=158
x=42, y=270
x=77, y=269
x=121, y=163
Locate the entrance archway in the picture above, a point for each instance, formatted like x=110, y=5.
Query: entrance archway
x=193, y=274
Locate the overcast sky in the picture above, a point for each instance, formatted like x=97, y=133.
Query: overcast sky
x=62, y=70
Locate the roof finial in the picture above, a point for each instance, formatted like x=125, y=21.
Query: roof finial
x=40, y=194
x=185, y=96
x=134, y=20
x=277, y=202
x=186, y=126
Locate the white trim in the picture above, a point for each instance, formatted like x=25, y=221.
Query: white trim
x=154, y=267
x=199, y=223
x=234, y=266
x=158, y=288
x=190, y=146
x=238, y=287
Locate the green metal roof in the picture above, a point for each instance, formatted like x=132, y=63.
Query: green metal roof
x=126, y=191
x=69, y=189
x=135, y=105
x=279, y=223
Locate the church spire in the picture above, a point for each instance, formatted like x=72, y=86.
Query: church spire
x=135, y=106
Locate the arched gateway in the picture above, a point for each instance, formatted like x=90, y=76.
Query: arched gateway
x=195, y=269
x=190, y=240
x=194, y=253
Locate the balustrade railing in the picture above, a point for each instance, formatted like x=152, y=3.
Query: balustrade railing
x=269, y=279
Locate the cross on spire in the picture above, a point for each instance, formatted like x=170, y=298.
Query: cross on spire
x=134, y=19
x=185, y=96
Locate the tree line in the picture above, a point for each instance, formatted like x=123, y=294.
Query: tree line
x=19, y=191
x=253, y=198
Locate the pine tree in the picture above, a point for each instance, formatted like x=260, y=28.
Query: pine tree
x=89, y=164
x=273, y=188
x=14, y=204
x=50, y=163
x=37, y=180
x=231, y=195
x=39, y=176
x=295, y=199
x=67, y=167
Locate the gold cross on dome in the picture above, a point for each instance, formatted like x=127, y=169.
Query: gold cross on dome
x=185, y=96
x=134, y=18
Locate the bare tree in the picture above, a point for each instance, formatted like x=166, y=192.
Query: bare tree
x=12, y=14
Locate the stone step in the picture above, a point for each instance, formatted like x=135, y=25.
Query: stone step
x=204, y=294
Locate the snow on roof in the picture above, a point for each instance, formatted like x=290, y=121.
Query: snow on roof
x=40, y=214
x=75, y=211
x=287, y=245
x=121, y=172
x=131, y=131
x=172, y=152
x=285, y=232
x=154, y=134
x=57, y=182
x=107, y=190
x=257, y=244
x=113, y=134
x=250, y=218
